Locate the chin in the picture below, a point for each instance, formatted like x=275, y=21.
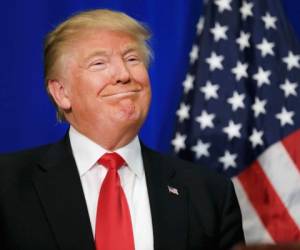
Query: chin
x=133, y=119
x=129, y=116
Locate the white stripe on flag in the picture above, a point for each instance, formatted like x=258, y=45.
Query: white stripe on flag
x=284, y=176
x=254, y=230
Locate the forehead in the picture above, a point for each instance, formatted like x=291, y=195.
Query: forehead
x=103, y=41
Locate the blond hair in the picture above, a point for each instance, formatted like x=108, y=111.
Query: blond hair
x=57, y=40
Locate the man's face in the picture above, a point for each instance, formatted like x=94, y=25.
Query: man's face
x=106, y=83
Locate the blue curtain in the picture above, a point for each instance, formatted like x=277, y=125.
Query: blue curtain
x=27, y=117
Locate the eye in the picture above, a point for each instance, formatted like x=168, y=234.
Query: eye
x=133, y=59
x=97, y=65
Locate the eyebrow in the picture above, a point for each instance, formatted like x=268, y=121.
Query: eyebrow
x=95, y=54
x=131, y=48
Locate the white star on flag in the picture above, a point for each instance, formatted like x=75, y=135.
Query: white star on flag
x=292, y=60
x=285, y=117
x=289, y=88
x=262, y=77
x=233, y=130
x=210, y=90
x=266, y=48
x=205, y=120
x=223, y=5
x=200, y=25
x=240, y=70
x=246, y=10
x=219, y=32
x=243, y=40
x=183, y=112
x=256, y=138
x=269, y=21
x=259, y=107
x=236, y=101
x=179, y=142
x=194, y=54
x=188, y=83
x=201, y=149
x=228, y=160
x=215, y=61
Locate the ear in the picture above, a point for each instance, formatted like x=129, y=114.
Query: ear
x=59, y=93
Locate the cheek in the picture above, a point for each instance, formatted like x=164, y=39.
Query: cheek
x=145, y=98
x=140, y=76
x=147, y=86
x=90, y=84
x=144, y=77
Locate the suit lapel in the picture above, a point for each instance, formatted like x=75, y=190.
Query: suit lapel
x=58, y=185
x=168, y=202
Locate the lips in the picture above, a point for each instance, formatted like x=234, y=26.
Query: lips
x=121, y=93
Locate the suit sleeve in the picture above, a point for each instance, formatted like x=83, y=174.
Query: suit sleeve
x=231, y=231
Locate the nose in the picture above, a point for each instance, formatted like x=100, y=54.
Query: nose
x=122, y=74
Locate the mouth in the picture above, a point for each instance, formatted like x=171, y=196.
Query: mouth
x=121, y=94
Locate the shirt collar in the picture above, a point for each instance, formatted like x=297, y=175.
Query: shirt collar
x=86, y=153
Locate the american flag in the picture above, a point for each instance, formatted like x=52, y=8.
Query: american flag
x=240, y=111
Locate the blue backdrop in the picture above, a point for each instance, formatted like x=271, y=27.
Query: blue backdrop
x=27, y=118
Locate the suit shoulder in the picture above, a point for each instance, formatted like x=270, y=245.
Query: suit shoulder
x=19, y=164
x=196, y=174
x=22, y=156
x=190, y=171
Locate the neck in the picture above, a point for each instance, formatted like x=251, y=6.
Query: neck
x=110, y=139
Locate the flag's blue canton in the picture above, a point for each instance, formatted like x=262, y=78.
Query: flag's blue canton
x=241, y=93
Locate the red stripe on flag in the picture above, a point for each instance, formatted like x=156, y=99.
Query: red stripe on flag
x=268, y=205
x=292, y=145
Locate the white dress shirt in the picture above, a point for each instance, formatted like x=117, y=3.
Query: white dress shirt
x=133, y=181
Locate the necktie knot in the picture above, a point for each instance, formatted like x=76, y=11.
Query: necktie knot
x=111, y=161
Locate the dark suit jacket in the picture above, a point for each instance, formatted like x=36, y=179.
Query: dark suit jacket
x=42, y=206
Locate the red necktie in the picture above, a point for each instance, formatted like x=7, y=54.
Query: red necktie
x=113, y=222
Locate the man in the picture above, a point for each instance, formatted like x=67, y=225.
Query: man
x=72, y=194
